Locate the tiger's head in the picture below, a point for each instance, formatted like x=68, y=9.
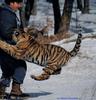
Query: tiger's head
x=22, y=39
x=19, y=35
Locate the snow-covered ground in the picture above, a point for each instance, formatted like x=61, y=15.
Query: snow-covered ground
x=77, y=80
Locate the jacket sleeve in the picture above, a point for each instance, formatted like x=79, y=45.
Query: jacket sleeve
x=7, y=25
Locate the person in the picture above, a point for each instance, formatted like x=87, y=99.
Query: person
x=12, y=69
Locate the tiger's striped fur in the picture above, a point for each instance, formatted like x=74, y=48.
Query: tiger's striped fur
x=51, y=56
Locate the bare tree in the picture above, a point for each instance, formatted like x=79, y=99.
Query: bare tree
x=64, y=23
x=25, y=13
x=57, y=15
x=79, y=5
x=66, y=16
x=86, y=6
x=28, y=9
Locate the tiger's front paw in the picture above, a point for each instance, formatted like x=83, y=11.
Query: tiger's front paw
x=41, y=77
x=58, y=71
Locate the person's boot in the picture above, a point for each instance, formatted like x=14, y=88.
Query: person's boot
x=2, y=91
x=16, y=90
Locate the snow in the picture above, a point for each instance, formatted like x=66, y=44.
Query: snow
x=77, y=80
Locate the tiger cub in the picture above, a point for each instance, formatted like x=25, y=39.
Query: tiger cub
x=51, y=56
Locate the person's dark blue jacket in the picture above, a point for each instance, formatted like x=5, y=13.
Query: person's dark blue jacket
x=8, y=23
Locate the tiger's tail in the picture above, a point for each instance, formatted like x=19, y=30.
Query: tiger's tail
x=77, y=46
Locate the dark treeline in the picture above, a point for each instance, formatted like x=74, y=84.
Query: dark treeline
x=61, y=21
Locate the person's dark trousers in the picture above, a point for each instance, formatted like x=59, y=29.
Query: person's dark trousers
x=12, y=68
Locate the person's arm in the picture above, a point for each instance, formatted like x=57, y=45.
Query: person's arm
x=7, y=25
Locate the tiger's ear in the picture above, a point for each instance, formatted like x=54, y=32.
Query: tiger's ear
x=22, y=30
x=44, y=30
x=25, y=29
x=33, y=32
x=32, y=29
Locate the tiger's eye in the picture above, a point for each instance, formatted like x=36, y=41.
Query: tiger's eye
x=16, y=33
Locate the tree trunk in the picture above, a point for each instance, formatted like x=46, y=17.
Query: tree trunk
x=79, y=5
x=86, y=6
x=25, y=13
x=66, y=16
x=57, y=15
x=28, y=9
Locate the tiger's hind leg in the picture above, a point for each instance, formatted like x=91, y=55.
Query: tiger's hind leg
x=43, y=76
x=47, y=71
